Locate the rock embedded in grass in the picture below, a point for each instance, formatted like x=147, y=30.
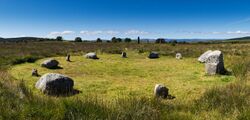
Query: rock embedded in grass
x=51, y=64
x=178, y=56
x=55, y=84
x=161, y=91
x=214, y=63
x=203, y=57
x=91, y=56
x=124, y=55
x=153, y=55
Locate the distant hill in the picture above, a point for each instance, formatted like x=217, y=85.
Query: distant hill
x=25, y=39
x=247, y=38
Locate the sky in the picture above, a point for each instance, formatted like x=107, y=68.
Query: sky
x=91, y=19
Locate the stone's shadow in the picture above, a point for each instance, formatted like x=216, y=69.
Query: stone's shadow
x=95, y=58
x=36, y=75
x=226, y=72
x=68, y=94
x=54, y=68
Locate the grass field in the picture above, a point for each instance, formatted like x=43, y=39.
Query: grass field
x=113, y=76
x=117, y=88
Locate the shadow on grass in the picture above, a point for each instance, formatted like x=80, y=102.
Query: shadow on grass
x=55, y=68
x=68, y=94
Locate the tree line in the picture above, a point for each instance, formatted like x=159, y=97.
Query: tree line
x=126, y=40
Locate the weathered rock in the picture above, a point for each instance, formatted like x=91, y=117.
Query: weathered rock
x=68, y=57
x=124, y=55
x=34, y=72
x=91, y=56
x=153, y=55
x=178, y=56
x=51, y=64
x=214, y=63
x=161, y=91
x=56, y=84
x=203, y=57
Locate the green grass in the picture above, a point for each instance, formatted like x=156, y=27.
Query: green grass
x=122, y=89
x=112, y=76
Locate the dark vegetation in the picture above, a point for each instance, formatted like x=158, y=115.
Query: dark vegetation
x=18, y=102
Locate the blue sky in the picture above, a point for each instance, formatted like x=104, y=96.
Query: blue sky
x=91, y=19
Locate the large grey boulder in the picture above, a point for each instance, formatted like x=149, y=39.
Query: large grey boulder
x=91, y=56
x=178, y=56
x=53, y=83
x=50, y=63
x=214, y=63
x=203, y=57
x=161, y=91
x=153, y=55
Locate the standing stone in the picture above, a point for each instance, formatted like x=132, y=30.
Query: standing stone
x=153, y=55
x=34, y=72
x=178, y=56
x=68, y=57
x=161, y=91
x=51, y=64
x=55, y=84
x=203, y=57
x=214, y=63
x=91, y=56
x=124, y=55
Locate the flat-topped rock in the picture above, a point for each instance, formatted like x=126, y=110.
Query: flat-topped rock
x=50, y=63
x=56, y=84
x=91, y=56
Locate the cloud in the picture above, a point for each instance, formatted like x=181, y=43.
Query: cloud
x=238, y=32
x=55, y=33
x=217, y=33
x=98, y=32
x=136, y=32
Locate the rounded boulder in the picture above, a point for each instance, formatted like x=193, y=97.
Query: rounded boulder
x=51, y=63
x=53, y=83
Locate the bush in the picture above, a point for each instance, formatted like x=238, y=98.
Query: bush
x=78, y=39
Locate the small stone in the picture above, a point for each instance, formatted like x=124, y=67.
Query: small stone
x=35, y=72
x=153, y=55
x=161, y=91
x=51, y=64
x=68, y=57
x=91, y=56
x=178, y=56
x=124, y=55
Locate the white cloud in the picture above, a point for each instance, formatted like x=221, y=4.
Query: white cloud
x=136, y=32
x=238, y=32
x=217, y=33
x=55, y=33
x=98, y=32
